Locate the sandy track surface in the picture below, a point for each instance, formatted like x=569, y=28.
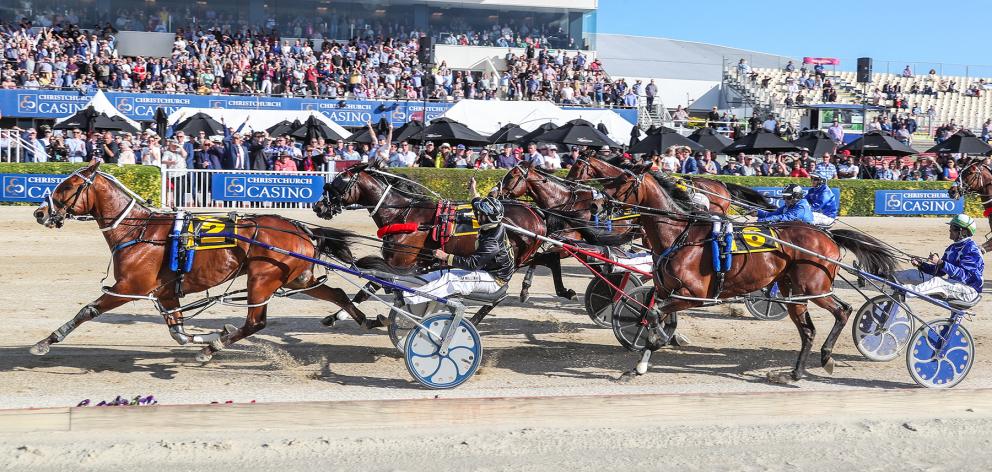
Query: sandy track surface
x=545, y=347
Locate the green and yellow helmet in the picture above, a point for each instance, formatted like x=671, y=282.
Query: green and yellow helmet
x=966, y=222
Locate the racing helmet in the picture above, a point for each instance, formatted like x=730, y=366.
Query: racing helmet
x=793, y=192
x=488, y=210
x=818, y=178
x=965, y=222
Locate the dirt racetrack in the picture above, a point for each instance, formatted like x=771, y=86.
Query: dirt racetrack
x=546, y=347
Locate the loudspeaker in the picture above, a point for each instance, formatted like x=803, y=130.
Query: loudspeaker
x=426, y=51
x=864, y=70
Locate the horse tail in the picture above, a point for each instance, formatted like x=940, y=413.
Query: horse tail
x=557, y=223
x=748, y=195
x=875, y=256
x=333, y=242
x=379, y=264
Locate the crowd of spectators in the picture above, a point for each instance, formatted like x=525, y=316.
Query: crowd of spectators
x=245, y=61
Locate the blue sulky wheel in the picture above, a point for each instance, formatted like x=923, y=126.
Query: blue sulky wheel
x=930, y=369
x=882, y=328
x=435, y=370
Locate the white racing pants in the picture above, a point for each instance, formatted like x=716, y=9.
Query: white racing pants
x=930, y=285
x=820, y=219
x=643, y=261
x=443, y=283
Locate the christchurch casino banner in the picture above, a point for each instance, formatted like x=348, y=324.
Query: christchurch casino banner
x=52, y=104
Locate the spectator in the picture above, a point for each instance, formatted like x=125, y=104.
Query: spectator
x=427, y=156
x=732, y=168
x=770, y=124
x=76, y=146
x=907, y=72
x=533, y=157
x=680, y=117
x=571, y=158
x=507, y=159
x=950, y=172
x=404, y=156
x=713, y=118
x=443, y=156
x=650, y=91
x=798, y=170
x=35, y=151
x=235, y=155
x=670, y=162
x=690, y=164
x=847, y=169
x=826, y=168
x=285, y=163
x=709, y=165
x=886, y=172
x=485, y=161
x=552, y=161
x=127, y=154
x=836, y=133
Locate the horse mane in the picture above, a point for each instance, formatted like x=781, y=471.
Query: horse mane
x=680, y=197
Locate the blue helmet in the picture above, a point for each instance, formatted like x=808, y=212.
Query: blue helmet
x=819, y=178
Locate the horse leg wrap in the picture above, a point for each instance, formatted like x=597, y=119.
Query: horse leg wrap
x=525, y=290
x=644, y=363
x=87, y=313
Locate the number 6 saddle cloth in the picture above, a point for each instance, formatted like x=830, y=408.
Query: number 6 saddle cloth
x=752, y=239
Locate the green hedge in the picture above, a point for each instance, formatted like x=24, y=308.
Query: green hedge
x=145, y=180
x=857, y=197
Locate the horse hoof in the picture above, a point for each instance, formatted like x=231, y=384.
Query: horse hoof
x=569, y=295
x=40, y=349
x=204, y=357
x=782, y=378
x=229, y=329
x=524, y=296
x=829, y=365
x=329, y=320
x=679, y=341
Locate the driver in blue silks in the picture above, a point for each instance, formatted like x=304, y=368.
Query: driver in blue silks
x=957, y=275
x=822, y=201
x=795, y=207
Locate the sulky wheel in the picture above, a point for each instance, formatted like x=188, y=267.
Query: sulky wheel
x=629, y=320
x=761, y=305
x=882, y=328
x=433, y=369
x=600, y=297
x=928, y=366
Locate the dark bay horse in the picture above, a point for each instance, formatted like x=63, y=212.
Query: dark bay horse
x=393, y=201
x=138, y=238
x=975, y=178
x=721, y=195
x=684, y=274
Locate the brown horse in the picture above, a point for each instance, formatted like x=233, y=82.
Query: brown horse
x=393, y=201
x=975, y=177
x=720, y=195
x=139, y=237
x=684, y=273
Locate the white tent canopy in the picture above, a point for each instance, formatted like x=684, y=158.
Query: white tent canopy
x=254, y=120
x=487, y=116
x=102, y=104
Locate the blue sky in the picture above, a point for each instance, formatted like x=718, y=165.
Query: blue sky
x=899, y=30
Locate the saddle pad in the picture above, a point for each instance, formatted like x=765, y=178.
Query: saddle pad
x=465, y=222
x=753, y=239
x=201, y=228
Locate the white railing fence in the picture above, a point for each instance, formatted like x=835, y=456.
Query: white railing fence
x=12, y=146
x=191, y=188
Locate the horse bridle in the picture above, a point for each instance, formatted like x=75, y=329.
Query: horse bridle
x=59, y=210
x=967, y=186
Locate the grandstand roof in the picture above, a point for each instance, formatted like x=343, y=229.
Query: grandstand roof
x=663, y=58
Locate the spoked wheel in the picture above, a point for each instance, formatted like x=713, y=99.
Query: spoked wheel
x=600, y=297
x=761, y=305
x=439, y=370
x=882, y=328
x=400, y=326
x=629, y=320
x=940, y=355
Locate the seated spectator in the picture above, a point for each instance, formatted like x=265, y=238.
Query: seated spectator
x=285, y=163
x=826, y=168
x=798, y=170
x=732, y=168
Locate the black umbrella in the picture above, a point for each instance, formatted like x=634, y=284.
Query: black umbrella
x=635, y=136
x=710, y=139
x=758, y=142
x=314, y=128
x=361, y=136
x=509, y=133
x=161, y=121
x=408, y=131
x=876, y=143
x=81, y=119
x=122, y=124
x=963, y=142
x=451, y=131
x=815, y=142
x=662, y=141
x=200, y=122
x=577, y=132
x=532, y=136
x=283, y=127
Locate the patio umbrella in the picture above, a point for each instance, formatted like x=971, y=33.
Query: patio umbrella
x=635, y=136
x=314, y=128
x=122, y=124
x=532, y=136
x=82, y=119
x=758, y=142
x=361, y=136
x=283, y=127
x=450, y=131
x=876, y=143
x=963, y=142
x=662, y=141
x=577, y=132
x=815, y=142
x=200, y=122
x=710, y=139
x=509, y=133
x=408, y=131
